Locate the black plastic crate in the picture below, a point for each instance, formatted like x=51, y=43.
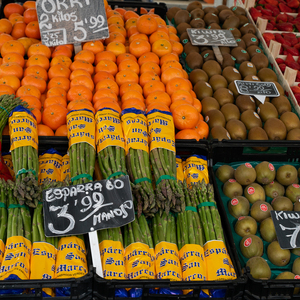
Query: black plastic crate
x=282, y=151
x=105, y=289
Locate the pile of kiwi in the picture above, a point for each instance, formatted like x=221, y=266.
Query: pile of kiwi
x=229, y=114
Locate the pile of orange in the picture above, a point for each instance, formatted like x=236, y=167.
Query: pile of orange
x=136, y=67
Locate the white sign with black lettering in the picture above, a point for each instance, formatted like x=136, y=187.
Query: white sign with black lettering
x=88, y=207
x=71, y=21
x=287, y=227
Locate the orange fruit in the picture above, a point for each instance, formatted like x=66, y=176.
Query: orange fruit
x=118, y=20
x=117, y=28
x=107, y=66
x=11, y=80
x=38, y=59
x=130, y=22
x=102, y=75
x=171, y=64
x=83, y=80
x=130, y=14
x=153, y=86
x=120, y=10
x=54, y=116
x=11, y=69
x=5, y=38
x=30, y=15
x=61, y=82
x=79, y=72
x=125, y=56
x=61, y=131
x=116, y=48
x=182, y=95
x=171, y=29
x=112, y=104
x=174, y=37
x=81, y=64
x=14, y=57
x=28, y=90
x=62, y=50
x=139, y=47
x=161, y=47
x=197, y=104
x=177, y=84
x=150, y=66
x=146, y=24
x=187, y=134
x=75, y=102
x=133, y=94
x=36, y=71
x=107, y=55
x=78, y=92
x=14, y=18
x=158, y=35
x=80, y=106
x=104, y=93
x=171, y=73
x=29, y=4
x=94, y=46
x=12, y=46
x=38, y=115
x=55, y=100
x=18, y=30
x=59, y=71
x=39, y=49
x=168, y=57
x=202, y=129
x=6, y=90
x=11, y=8
x=115, y=37
x=133, y=103
x=160, y=21
x=133, y=31
x=56, y=91
x=160, y=97
x=62, y=60
x=36, y=81
x=177, y=47
x=129, y=64
x=32, y=101
x=148, y=76
x=108, y=84
x=185, y=116
x=126, y=76
x=32, y=30
x=148, y=57
x=86, y=55
x=159, y=106
x=112, y=13
x=130, y=86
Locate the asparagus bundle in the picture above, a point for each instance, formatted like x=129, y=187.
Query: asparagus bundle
x=162, y=156
x=24, y=152
x=134, y=124
x=81, y=134
x=164, y=236
x=16, y=262
x=3, y=217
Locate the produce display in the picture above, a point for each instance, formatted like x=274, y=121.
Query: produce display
x=249, y=191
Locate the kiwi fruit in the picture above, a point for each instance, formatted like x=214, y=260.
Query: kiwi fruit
x=211, y=18
x=250, y=39
x=245, y=102
x=181, y=28
x=267, y=111
x=231, y=74
x=245, y=224
x=232, y=188
x=182, y=16
x=282, y=104
x=209, y=103
x=260, y=61
x=225, y=14
x=184, y=38
x=197, y=23
x=214, y=26
x=265, y=172
x=245, y=174
x=240, y=55
x=274, y=189
x=266, y=74
x=247, y=68
x=267, y=230
x=172, y=12
x=286, y=175
x=236, y=129
x=248, y=28
x=260, y=210
x=251, y=78
x=208, y=55
x=203, y=89
x=286, y=275
x=222, y=7
x=215, y=118
x=204, y=48
x=282, y=203
x=212, y=68
x=290, y=120
x=197, y=13
x=232, y=88
x=293, y=135
x=223, y=96
x=243, y=20
x=194, y=60
x=193, y=5
x=230, y=112
x=197, y=75
x=240, y=43
x=258, y=134
x=254, y=192
x=251, y=245
x=254, y=50
x=228, y=60
x=235, y=32
x=217, y=81
x=275, y=129
x=278, y=256
x=238, y=206
x=238, y=10
x=224, y=49
x=293, y=193
x=224, y=173
x=280, y=90
x=231, y=21
x=220, y=133
x=259, y=268
x=251, y=119
x=210, y=9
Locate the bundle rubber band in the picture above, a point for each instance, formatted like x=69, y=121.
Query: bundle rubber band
x=191, y=208
x=164, y=177
x=18, y=206
x=206, y=204
x=142, y=179
x=24, y=171
x=5, y=110
x=116, y=174
x=88, y=176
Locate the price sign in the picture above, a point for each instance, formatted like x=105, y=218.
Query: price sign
x=88, y=207
x=211, y=37
x=287, y=227
x=71, y=21
x=259, y=90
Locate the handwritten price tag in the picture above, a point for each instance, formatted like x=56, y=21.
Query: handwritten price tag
x=287, y=227
x=88, y=207
x=71, y=21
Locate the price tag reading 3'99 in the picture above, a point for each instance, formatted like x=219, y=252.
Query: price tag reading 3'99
x=71, y=21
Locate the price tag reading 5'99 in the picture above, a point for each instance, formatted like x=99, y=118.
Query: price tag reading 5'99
x=71, y=21
x=84, y=208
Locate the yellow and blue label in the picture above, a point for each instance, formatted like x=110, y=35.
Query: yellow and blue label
x=65, y=168
x=179, y=169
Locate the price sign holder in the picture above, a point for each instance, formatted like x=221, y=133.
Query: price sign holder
x=71, y=22
x=86, y=208
x=258, y=89
x=212, y=37
x=287, y=227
